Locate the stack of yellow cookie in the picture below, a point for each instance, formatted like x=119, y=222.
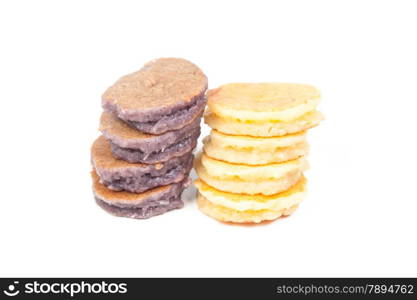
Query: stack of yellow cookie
x=252, y=164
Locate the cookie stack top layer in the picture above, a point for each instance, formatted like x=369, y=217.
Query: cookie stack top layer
x=162, y=88
x=263, y=109
x=263, y=101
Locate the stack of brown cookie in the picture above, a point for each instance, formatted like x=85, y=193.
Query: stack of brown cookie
x=150, y=126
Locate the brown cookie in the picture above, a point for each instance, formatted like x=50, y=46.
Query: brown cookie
x=119, y=175
x=134, y=146
x=139, y=206
x=166, y=94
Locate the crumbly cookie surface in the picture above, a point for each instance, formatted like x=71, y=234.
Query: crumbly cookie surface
x=161, y=86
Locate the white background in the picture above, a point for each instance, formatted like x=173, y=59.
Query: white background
x=359, y=219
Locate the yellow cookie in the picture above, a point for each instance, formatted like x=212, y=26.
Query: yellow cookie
x=241, y=202
x=264, y=144
x=245, y=179
x=224, y=170
x=260, y=128
x=225, y=214
x=263, y=101
x=254, y=150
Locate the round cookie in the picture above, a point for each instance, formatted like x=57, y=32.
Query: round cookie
x=263, y=101
x=264, y=144
x=139, y=206
x=166, y=94
x=262, y=129
x=225, y=214
x=119, y=175
x=245, y=179
x=240, y=202
x=137, y=147
x=253, y=150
